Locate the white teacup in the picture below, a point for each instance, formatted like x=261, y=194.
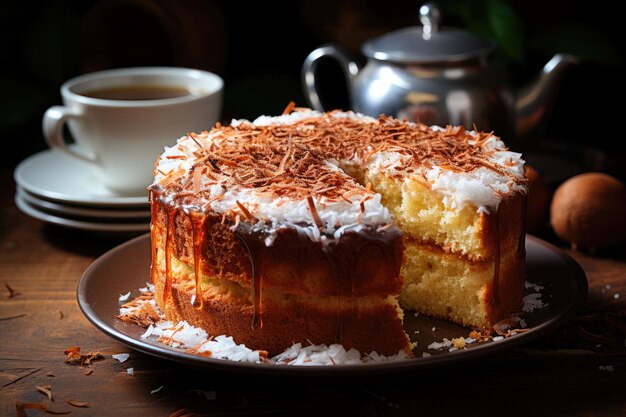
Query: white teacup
x=121, y=119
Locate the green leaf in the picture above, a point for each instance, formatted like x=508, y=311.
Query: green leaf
x=507, y=29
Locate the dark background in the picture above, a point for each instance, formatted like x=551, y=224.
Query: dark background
x=258, y=48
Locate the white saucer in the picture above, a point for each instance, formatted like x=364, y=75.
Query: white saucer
x=60, y=178
x=94, y=226
x=63, y=209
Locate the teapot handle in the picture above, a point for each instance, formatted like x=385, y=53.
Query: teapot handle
x=349, y=66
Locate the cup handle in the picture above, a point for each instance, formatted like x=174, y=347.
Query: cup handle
x=53, y=120
x=349, y=66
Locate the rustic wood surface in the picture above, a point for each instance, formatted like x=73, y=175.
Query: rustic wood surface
x=579, y=370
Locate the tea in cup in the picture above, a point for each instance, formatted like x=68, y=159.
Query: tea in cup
x=122, y=119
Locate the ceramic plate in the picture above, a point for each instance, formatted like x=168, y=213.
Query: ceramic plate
x=60, y=178
x=93, y=225
x=126, y=268
x=71, y=210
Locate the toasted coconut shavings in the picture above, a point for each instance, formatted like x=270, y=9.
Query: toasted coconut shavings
x=12, y=292
x=45, y=390
x=21, y=407
x=74, y=357
x=76, y=403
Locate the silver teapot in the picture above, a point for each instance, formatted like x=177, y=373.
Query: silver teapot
x=439, y=76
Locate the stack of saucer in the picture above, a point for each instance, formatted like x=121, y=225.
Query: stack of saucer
x=62, y=190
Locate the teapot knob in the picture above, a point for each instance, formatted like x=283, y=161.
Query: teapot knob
x=429, y=16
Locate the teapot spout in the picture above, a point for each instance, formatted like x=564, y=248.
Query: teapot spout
x=535, y=100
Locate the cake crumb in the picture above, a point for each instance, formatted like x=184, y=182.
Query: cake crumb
x=616, y=296
x=608, y=368
x=433, y=329
x=426, y=355
x=130, y=371
x=458, y=342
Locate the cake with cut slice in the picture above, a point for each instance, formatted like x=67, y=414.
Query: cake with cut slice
x=325, y=227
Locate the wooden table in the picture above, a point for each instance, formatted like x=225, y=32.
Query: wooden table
x=579, y=370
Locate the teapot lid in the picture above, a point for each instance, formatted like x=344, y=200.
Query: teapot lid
x=429, y=43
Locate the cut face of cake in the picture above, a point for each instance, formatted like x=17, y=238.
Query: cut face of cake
x=325, y=227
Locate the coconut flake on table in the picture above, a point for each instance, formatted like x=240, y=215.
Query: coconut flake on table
x=122, y=357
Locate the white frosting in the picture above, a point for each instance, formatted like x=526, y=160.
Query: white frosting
x=276, y=212
x=481, y=187
x=288, y=119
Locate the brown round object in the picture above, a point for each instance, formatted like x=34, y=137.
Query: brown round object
x=538, y=201
x=588, y=210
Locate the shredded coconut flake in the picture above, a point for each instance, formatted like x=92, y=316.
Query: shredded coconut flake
x=532, y=301
x=124, y=297
x=122, y=357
